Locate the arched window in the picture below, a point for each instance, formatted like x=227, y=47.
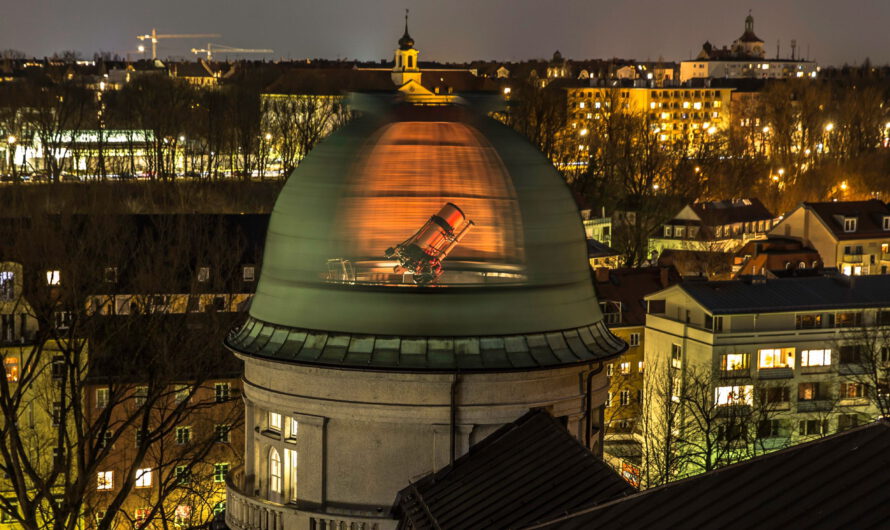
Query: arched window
x=410, y=62
x=802, y=265
x=274, y=471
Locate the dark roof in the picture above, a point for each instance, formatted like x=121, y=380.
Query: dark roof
x=529, y=470
x=839, y=481
x=870, y=217
x=457, y=80
x=331, y=81
x=629, y=286
x=792, y=294
x=716, y=213
x=595, y=249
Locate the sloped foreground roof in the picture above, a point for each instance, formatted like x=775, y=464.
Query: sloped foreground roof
x=526, y=471
x=840, y=481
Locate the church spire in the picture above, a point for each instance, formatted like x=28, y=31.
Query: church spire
x=406, y=42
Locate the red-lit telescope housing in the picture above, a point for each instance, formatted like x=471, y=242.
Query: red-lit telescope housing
x=422, y=253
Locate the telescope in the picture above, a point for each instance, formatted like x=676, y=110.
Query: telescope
x=422, y=254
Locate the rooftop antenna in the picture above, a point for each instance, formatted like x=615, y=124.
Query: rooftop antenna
x=778, y=45
x=793, y=47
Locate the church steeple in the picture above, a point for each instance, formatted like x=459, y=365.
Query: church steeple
x=749, y=24
x=406, y=42
x=405, y=67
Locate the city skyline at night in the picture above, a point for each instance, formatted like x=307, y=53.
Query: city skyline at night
x=831, y=33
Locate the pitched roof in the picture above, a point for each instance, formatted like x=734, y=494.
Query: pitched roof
x=529, y=470
x=331, y=81
x=791, y=294
x=715, y=213
x=839, y=481
x=629, y=286
x=869, y=217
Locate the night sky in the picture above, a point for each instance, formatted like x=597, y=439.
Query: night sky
x=454, y=30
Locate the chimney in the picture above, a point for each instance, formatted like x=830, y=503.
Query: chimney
x=602, y=275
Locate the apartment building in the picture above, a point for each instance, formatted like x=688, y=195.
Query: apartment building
x=621, y=295
x=853, y=236
x=679, y=113
x=800, y=357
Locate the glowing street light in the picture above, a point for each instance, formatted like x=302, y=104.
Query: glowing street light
x=844, y=185
x=181, y=138
x=712, y=129
x=829, y=127
x=781, y=172
x=766, y=129
x=584, y=132
x=11, y=139
x=141, y=49
x=268, y=137
x=655, y=187
x=507, y=90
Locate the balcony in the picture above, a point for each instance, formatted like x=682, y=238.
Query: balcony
x=853, y=402
x=885, y=256
x=734, y=374
x=244, y=512
x=852, y=258
x=851, y=369
x=775, y=373
x=814, y=405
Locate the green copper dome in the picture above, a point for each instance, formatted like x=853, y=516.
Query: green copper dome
x=519, y=267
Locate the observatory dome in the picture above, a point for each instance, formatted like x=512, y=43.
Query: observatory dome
x=426, y=239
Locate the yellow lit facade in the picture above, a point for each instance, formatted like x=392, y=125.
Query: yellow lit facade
x=674, y=113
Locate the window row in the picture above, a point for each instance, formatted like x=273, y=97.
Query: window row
x=144, y=477
x=110, y=275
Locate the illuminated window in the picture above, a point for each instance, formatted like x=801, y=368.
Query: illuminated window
x=775, y=358
x=852, y=390
x=608, y=399
x=12, y=368
x=290, y=458
x=848, y=319
x=248, y=273
x=182, y=393
x=182, y=515
x=274, y=471
x=53, y=277
x=676, y=355
x=203, y=274
x=624, y=368
x=143, y=478
x=624, y=397
x=102, y=395
x=105, y=480
x=274, y=421
x=640, y=366
x=293, y=427
x=815, y=358
x=734, y=361
x=808, y=321
x=220, y=470
x=733, y=395
x=849, y=224
x=609, y=370
x=140, y=517
x=812, y=391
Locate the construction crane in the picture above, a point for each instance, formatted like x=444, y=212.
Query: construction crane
x=154, y=36
x=227, y=49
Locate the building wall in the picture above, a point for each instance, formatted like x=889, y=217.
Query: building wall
x=361, y=436
x=683, y=326
x=749, y=68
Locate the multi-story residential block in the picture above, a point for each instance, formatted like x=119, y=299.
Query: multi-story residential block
x=714, y=226
x=853, y=236
x=621, y=295
x=746, y=58
x=796, y=358
x=674, y=113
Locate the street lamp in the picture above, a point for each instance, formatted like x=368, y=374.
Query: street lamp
x=10, y=153
x=829, y=127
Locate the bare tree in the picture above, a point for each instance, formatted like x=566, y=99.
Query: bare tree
x=97, y=391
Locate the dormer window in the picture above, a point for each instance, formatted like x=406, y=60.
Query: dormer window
x=849, y=224
x=668, y=231
x=886, y=223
